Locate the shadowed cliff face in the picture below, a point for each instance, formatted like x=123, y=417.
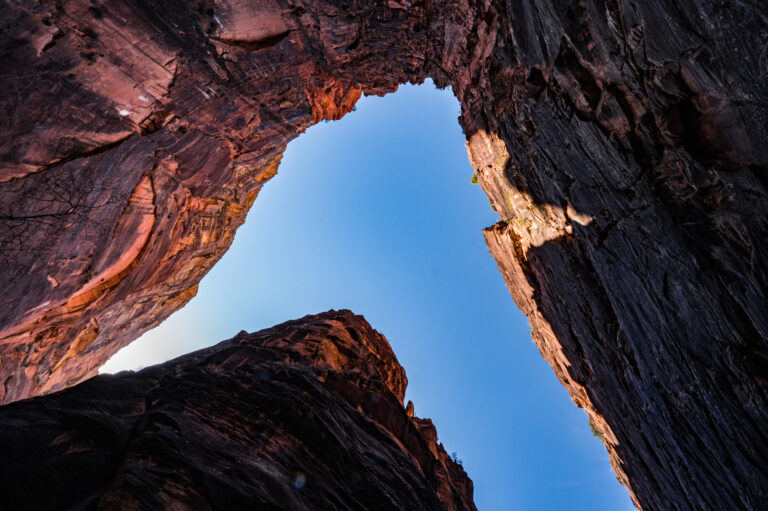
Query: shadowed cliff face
x=306, y=415
x=627, y=154
x=624, y=147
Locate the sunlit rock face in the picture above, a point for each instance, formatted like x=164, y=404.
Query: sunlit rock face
x=305, y=415
x=135, y=138
x=623, y=145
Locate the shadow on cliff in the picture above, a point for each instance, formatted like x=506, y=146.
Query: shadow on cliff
x=613, y=245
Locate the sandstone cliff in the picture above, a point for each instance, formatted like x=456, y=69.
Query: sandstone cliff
x=623, y=144
x=305, y=415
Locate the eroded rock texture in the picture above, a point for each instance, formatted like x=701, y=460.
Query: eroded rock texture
x=135, y=137
x=623, y=144
x=305, y=415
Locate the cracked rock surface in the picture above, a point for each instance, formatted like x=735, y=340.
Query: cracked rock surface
x=137, y=136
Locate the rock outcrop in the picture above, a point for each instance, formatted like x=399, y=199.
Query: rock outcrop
x=623, y=144
x=625, y=147
x=135, y=138
x=305, y=415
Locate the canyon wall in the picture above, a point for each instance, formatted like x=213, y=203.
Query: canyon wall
x=306, y=415
x=135, y=138
x=624, y=146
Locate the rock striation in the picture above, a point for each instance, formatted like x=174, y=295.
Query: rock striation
x=623, y=144
x=135, y=138
x=306, y=415
x=625, y=147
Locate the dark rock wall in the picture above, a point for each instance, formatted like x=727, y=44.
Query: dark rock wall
x=623, y=144
x=305, y=415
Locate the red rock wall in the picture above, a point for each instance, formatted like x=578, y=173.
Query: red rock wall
x=306, y=415
x=138, y=137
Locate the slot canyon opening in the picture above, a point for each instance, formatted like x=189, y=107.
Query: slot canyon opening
x=376, y=213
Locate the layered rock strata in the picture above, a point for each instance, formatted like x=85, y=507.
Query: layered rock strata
x=135, y=138
x=623, y=144
x=305, y=415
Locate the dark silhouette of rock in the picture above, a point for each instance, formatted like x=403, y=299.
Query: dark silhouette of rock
x=623, y=144
x=626, y=150
x=305, y=415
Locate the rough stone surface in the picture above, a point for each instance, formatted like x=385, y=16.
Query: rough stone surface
x=135, y=138
x=623, y=144
x=306, y=415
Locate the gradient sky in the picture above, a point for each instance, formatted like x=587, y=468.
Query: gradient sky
x=376, y=213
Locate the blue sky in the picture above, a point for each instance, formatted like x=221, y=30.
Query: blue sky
x=376, y=213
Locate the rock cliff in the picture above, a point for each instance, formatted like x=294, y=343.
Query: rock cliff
x=305, y=415
x=136, y=138
x=623, y=144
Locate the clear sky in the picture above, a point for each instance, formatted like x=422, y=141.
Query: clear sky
x=375, y=213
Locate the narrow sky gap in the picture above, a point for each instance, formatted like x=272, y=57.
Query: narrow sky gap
x=376, y=213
